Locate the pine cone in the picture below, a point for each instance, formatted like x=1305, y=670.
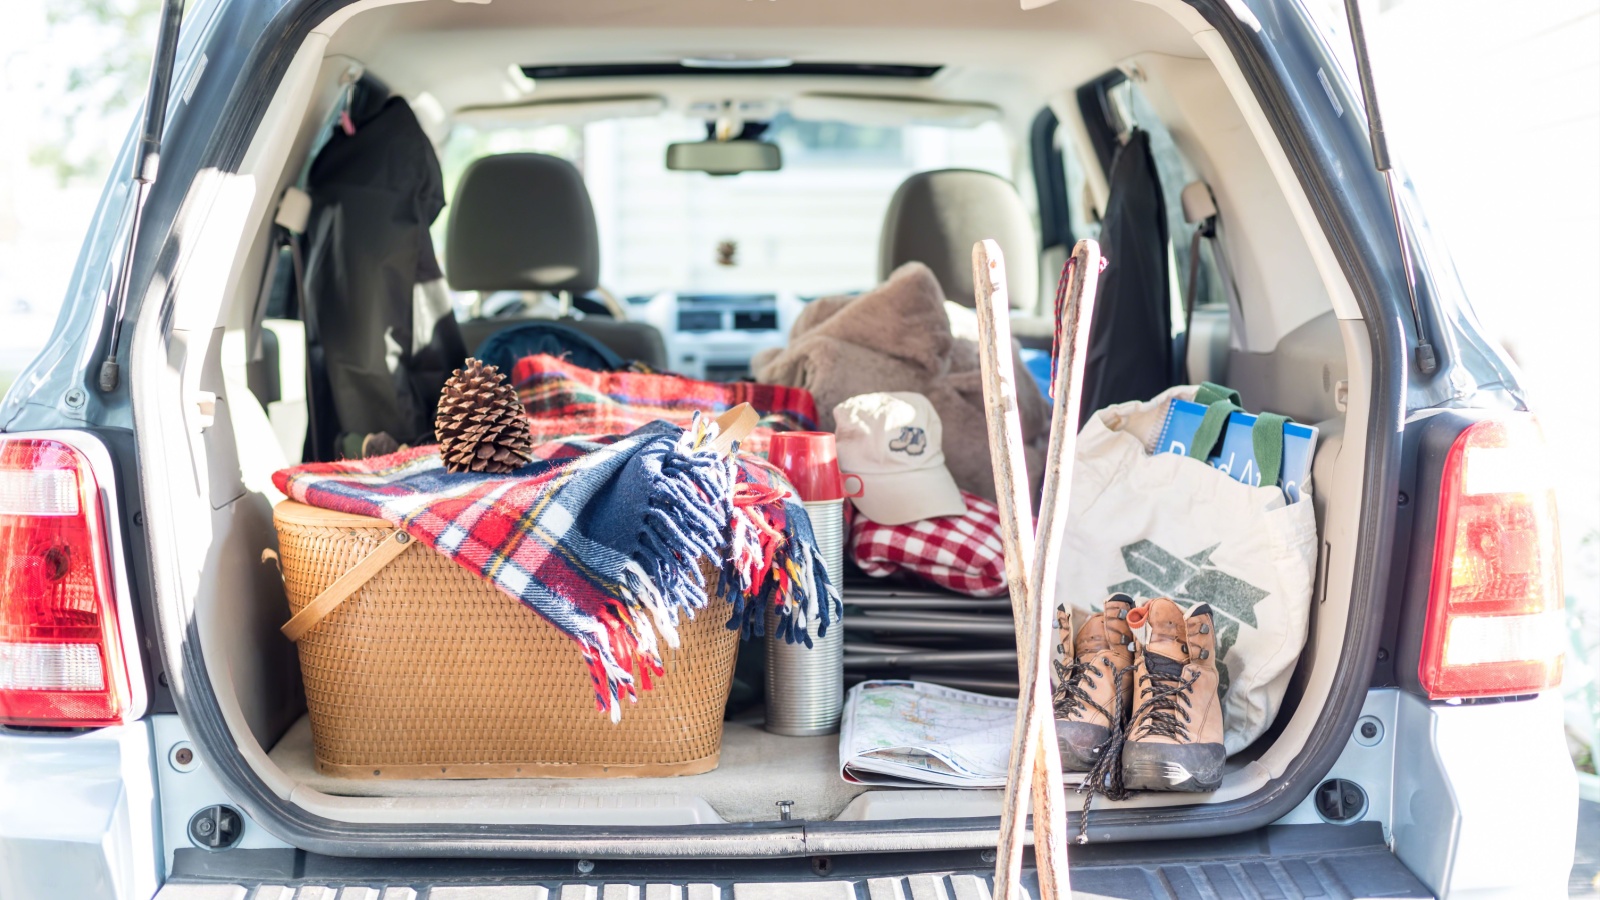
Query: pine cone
x=481, y=426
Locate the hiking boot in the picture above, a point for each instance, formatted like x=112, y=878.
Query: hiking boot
x=1175, y=734
x=1097, y=685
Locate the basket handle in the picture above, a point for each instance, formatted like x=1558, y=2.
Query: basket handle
x=733, y=425
x=396, y=543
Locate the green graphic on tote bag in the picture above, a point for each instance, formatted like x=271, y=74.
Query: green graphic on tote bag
x=1192, y=580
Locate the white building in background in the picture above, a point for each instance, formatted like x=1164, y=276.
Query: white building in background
x=810, y=228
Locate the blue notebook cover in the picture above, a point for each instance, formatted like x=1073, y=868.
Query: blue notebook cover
x=1237, y=457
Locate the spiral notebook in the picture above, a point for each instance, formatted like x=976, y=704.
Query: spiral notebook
x=1236, y=455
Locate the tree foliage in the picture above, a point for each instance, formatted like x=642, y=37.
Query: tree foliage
x=112, y=42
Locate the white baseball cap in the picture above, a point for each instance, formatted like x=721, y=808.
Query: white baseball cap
x=893, y=442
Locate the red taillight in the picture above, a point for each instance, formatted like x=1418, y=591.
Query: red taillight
x=1495, y=611
x=61, y=660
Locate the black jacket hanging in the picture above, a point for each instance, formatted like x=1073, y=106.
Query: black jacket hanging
x=379, y=348
x=1130, y=338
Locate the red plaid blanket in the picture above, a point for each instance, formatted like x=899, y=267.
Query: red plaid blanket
x=963, y=553
x=564, y=400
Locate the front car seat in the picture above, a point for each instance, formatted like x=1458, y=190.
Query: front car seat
x=524, y=222
x=935, y=217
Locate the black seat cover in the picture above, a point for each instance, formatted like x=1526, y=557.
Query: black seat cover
x=1130, y=339
x=379, y=349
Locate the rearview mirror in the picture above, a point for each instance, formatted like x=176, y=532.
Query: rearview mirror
x=724, y=157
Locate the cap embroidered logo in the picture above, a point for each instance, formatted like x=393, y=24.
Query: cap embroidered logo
x=912, y=441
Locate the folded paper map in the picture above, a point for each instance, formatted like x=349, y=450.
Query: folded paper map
x=912, y=734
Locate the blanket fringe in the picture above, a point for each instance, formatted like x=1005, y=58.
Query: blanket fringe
x=774, y=561
x=687, y=520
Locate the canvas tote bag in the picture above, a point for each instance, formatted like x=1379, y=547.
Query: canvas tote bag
x=1167, y=525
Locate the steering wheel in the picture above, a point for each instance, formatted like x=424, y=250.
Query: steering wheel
x=607, y=304
x=516, y=303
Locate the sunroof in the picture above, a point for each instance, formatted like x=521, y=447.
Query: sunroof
x=635, y=69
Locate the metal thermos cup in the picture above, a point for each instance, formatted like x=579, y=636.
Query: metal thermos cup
x=805, y=685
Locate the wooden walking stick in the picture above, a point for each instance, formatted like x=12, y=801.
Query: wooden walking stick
x=1032, y=751
x=1030, y=569
x=1074, y=313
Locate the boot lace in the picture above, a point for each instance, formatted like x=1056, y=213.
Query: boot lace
x=1105, y=776
x=1073, y=681
x=1165, y=699
x=1158, y=713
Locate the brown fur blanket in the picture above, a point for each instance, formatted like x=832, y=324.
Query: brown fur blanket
x=898, y=337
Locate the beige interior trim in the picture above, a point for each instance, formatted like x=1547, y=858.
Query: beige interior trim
x=743, y=788
x=1340, y=531
x=1262, y=239
x=1065, y=106
x=1333, y=280
x=189, y=538
x=329, y=26
x=572, y=111
x=871, y=109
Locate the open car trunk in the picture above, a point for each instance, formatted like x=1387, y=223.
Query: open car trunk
x=1301, y=349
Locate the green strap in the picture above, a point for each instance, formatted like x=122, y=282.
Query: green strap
x=1215, y=422
x=1266, y=436
x=1220, y=402
x=1211, y=392
x=1266, y=439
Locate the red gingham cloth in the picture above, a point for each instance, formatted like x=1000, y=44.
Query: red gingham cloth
x=963, y=553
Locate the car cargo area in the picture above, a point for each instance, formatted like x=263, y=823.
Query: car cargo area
x=710, y=277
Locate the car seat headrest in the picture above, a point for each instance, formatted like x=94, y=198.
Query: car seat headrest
x=936, y=217
x=522, y=222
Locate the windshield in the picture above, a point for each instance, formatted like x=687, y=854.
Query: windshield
x=810, y=229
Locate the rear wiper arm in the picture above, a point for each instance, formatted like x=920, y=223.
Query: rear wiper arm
x=1427, y=360
x=146, y=160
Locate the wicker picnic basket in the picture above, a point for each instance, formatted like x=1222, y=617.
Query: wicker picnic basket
x=425, y=671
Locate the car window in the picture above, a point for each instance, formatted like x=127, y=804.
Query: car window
x=1082, y=210
x=1175, y=171
x=811, y=228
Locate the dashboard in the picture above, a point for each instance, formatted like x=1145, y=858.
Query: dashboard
x=712, y=337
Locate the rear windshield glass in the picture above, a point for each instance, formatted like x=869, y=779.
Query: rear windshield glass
x=810, y=228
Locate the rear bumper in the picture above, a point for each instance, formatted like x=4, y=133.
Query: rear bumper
x=1485, y=797
x=78, y=815
x=1327, y=861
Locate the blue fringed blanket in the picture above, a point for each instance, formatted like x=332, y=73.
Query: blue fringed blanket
x=604, y=538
